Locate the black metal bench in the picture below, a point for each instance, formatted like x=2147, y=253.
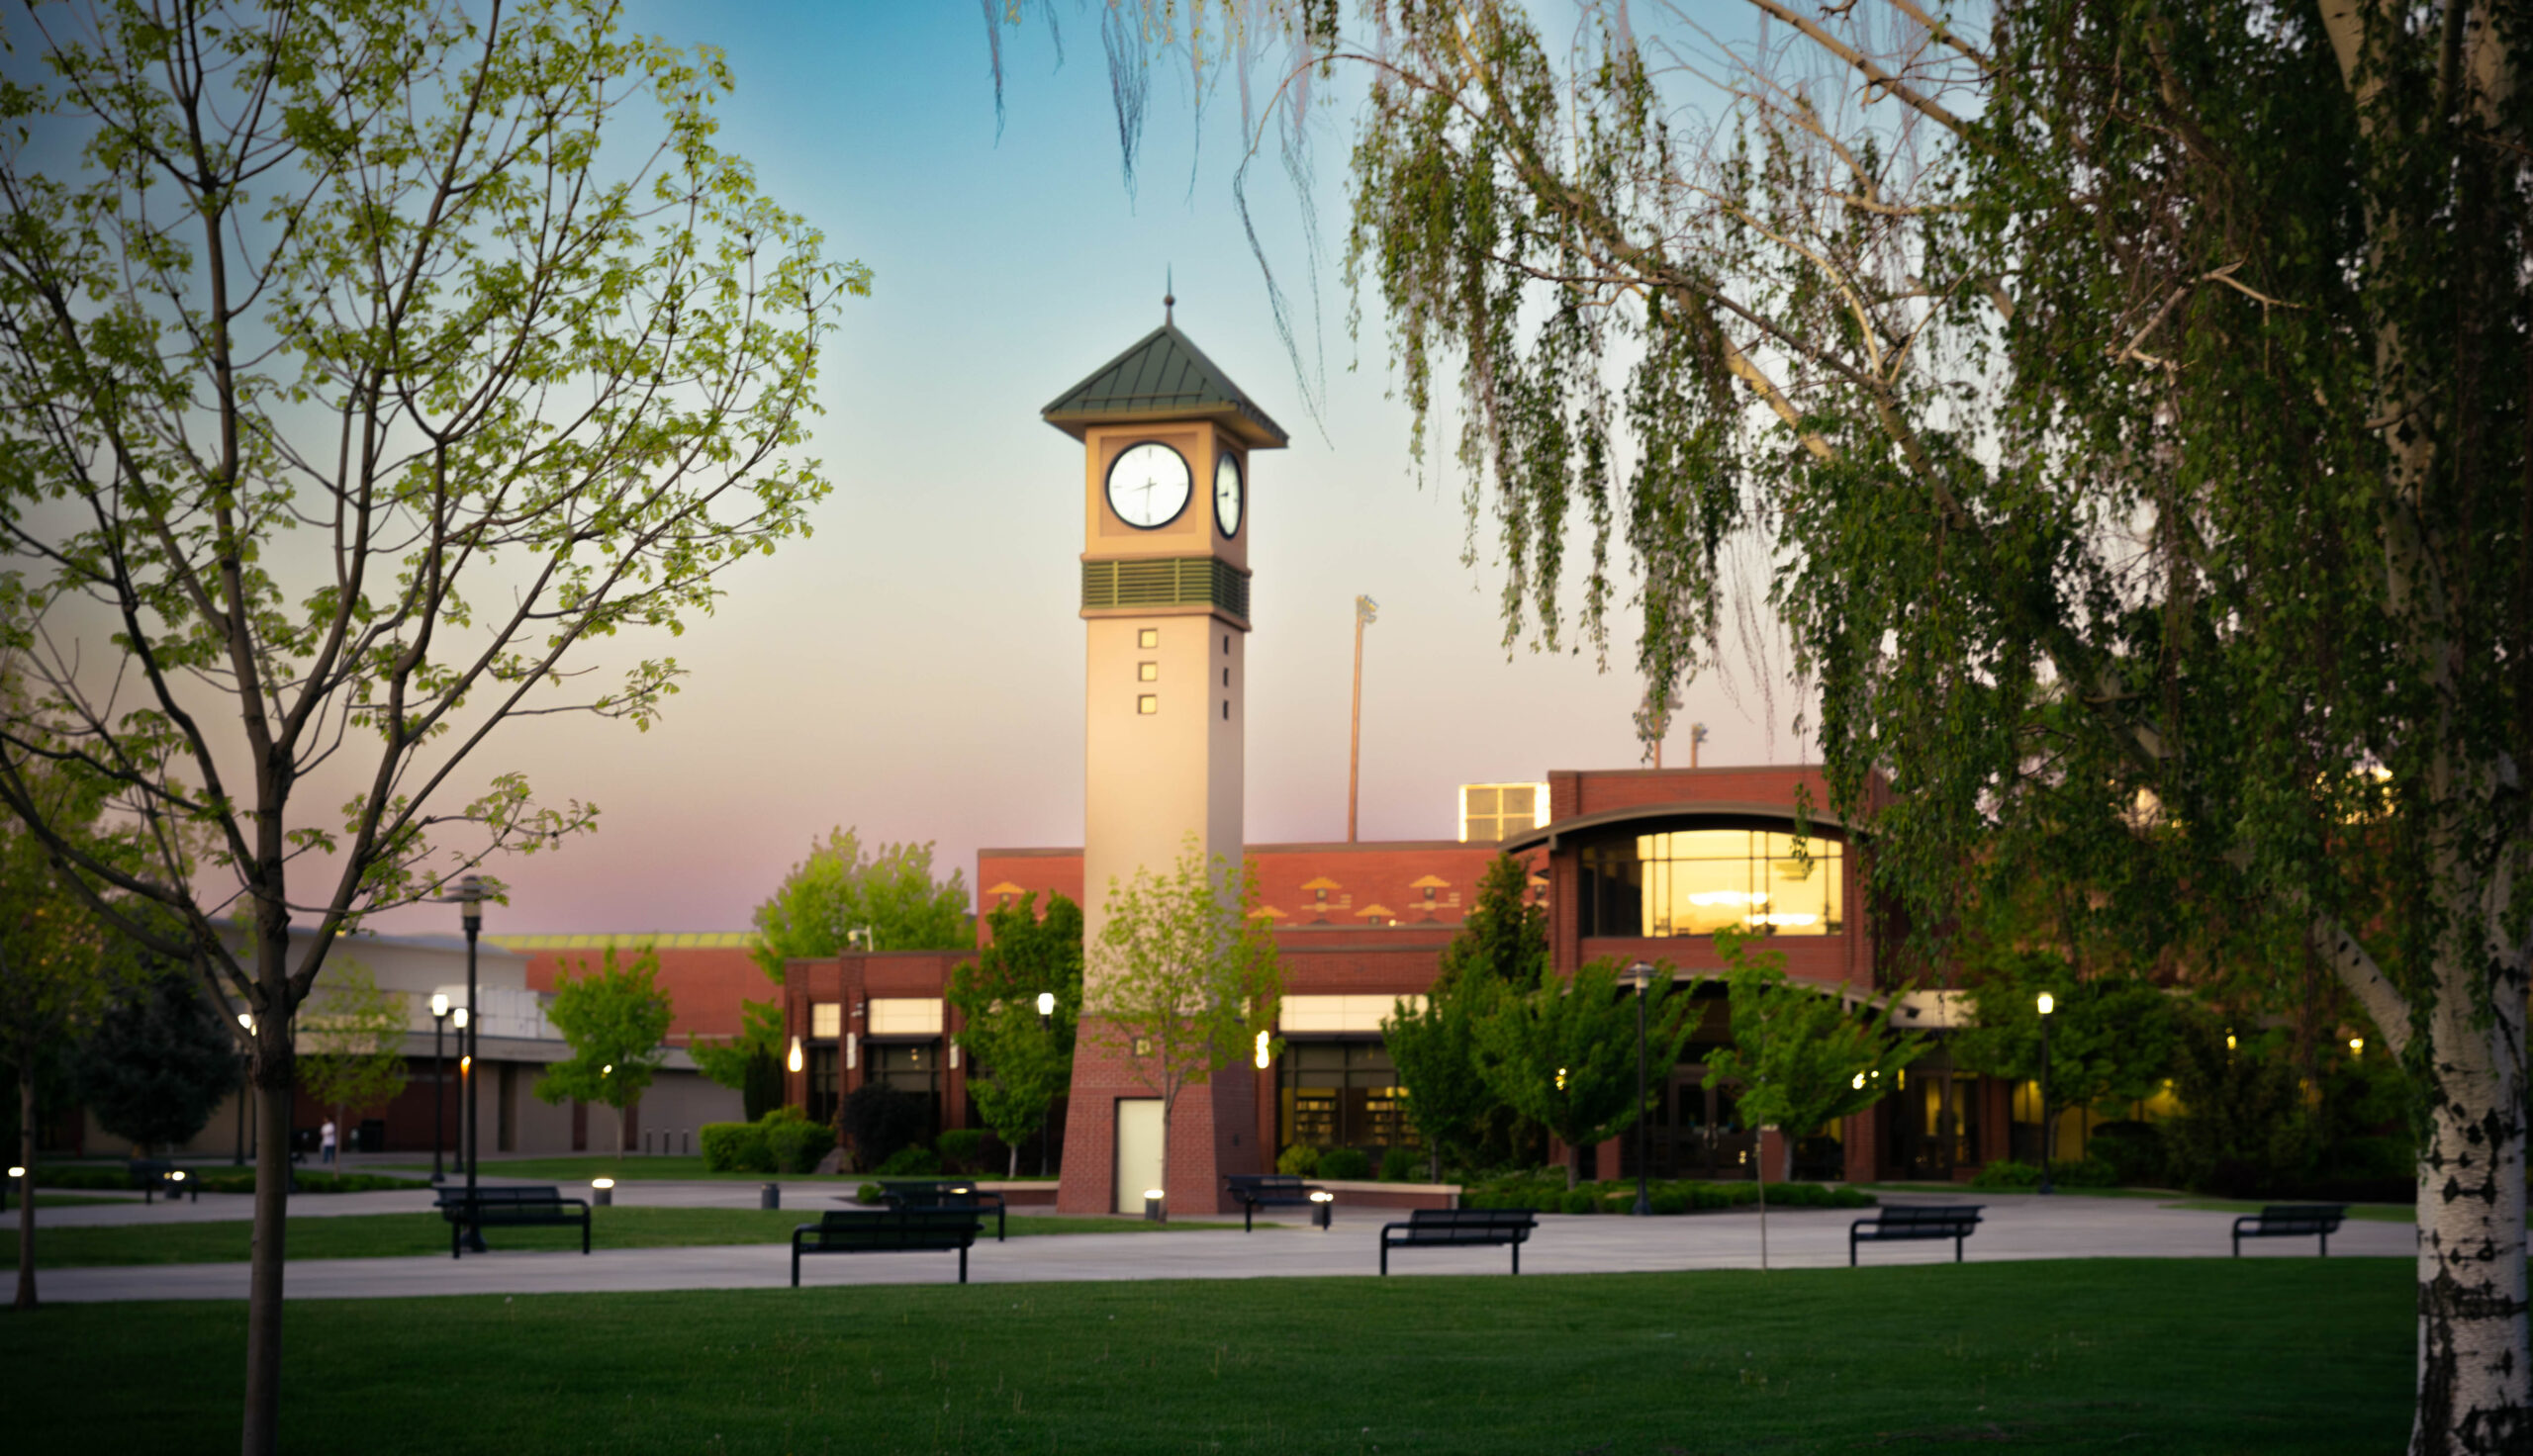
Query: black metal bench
x=1257, y=1190
x=1908, y=1220
x=510, y=1208
x=156, y=1175
x=888, y=1232
x=949, y=1193
x=2291, y=1221
x=1459, y=1228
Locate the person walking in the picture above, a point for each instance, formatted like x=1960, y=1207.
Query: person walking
x=326, y=1142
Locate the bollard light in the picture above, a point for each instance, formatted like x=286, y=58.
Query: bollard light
x=1323, y=1206
x=602, y=1193
x=17, y=1172
x=1153, y=1212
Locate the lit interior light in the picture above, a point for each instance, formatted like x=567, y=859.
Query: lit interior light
x=2229, y=1041
x=1727, y=897
x=1788, y=919
x=2357, y=1046
x=1561, y=1079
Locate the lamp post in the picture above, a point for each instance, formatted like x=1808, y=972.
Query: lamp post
x=439, y=1081
x=1642, y=975
x=1046, y=1024
x=2048, y=1004
x=246, y=1086
x=470, y=900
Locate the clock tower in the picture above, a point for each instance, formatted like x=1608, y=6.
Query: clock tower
x=1167, y=439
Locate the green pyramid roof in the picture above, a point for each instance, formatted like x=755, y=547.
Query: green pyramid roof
x=1161, y=377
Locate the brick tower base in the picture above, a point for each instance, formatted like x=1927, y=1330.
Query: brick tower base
x=1212, y=1131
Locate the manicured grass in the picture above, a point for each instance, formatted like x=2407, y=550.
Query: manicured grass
x=2187, y=1356
x=395, y=1235
x=631, y=1168
x=2372, y=1212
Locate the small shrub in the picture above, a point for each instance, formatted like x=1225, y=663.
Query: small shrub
x=1402, y=1165
x=961, y=1148
x=870, y=1193
x=1298, y=1160
x=1671, y=1201
x=796, y=1144
x=2083, y=1172
x=1580, y=1201
x=2006, y=1173
x=1344, y=1162
x=2132, y=1151
x=781, y=1113
x=910, y=1162
x=736, y=1148
x=878, y=1121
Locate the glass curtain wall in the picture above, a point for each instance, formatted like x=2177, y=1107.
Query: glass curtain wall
x=1697, y=881
x=1342, y=1093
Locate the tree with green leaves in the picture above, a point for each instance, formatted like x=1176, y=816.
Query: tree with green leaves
x=351, y=1042
x=1183, y=979
x=366, y=369
x=844, y=897
x=2111, y=1035
x=2132, y=408
x=160, y=1059
x=58, y=972
x=1801, y=1056
x=615, y=1019
x=749, y=1063
x=1565, y=1054
x=1019, y=1062
x=1501, y=949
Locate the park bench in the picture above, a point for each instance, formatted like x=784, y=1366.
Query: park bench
x=1274, y=1190
x=1908, y=1220
x=947, y=1194
x=888, y=1232
x=510, y=1208
x=2291, y=1221
x=1459, y=1228
x=156, y=1175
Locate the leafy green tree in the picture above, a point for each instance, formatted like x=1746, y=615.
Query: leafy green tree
x=2133, y=405
x=2244, y=1130
x=160, y=1059
x=351, y=1042
x=1565, y=1053
x=2111, y=1036
x=1184, y=979
x=1501, y=949
x=365, y=369
x=615, y=1019
x=1801, y=1056
x=749, y=1063
x=843, y=897
x=56, y=976
x=1019, y=1066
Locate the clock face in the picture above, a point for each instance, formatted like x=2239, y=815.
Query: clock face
x=1226, y=493
x=1149, y=484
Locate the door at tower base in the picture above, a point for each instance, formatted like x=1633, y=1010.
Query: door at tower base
x=1138, y=1151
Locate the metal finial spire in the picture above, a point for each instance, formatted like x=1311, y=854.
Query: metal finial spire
x=1168, y=294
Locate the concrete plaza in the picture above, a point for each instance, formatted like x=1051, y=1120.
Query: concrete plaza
x=2016, y=1226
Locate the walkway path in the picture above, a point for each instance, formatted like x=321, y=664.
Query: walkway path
x=2016, y=1227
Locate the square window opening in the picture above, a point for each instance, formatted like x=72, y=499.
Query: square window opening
x=1147, y=637
x=1148, y=704
x=1148, y=671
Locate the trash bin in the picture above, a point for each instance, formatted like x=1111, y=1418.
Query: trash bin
x=770, y=1195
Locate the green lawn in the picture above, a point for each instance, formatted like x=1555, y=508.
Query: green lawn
x=2187, y=1356
x=391, y=1235
x=631, y=1168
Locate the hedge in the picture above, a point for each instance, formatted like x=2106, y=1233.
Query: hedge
x=737, y=1147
